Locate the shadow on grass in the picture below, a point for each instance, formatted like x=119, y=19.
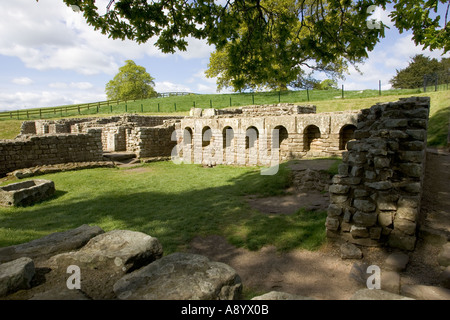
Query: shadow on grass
x=438, y=128
x=175, y=218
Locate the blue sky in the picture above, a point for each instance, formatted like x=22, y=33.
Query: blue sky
x=49, y=56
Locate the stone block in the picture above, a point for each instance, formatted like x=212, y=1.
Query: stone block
x=16, y=275
x=338, y=189
x=397, y=261
x=385, y=218
x=390, y=281
x=350, y=251
x=365, y=219
x=379, y=185
x=359, y=232
x=400, y=240
x=364, y=205
x=405, y=226
x=334, y=210
x=332, y=223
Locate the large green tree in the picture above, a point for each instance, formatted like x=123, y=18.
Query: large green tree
x=131, y=82
x=422, y=68
x=279, y=61
x=327, y=30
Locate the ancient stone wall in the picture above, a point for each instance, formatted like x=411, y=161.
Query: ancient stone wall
x=147, y=142
x=241, y=139
x=375, y=198
x=31, y=151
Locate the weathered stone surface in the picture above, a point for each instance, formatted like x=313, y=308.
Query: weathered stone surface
x=63, y=294
x=117, y=251
x=338, y=188
x=364, y=205
x=444, y=278
x=26, y=192
x=350, y=251
x=359, y=232
x=365, y=219
x=397, y=261
x=400, y=240
x=334, y=210
x=375, y=294
x=180, y=276
x=407, y=213
x=332, y=223
x=422, y=292
x=52, y=244
x=277, y=295
x=16, y=275
x=379, y=185
x=444, y=255
x=390, y=281
x=405, y=226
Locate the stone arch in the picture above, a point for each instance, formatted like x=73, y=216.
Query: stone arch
x=188, y=144
x=206, y=136
x=283, y=136
x=228, y=144
x=346, y=134
x=310, y=135
x=251, y=145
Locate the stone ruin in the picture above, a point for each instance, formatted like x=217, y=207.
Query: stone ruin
x=375, y=198
x=26, y=192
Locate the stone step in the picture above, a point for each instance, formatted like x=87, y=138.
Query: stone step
x=119, y=156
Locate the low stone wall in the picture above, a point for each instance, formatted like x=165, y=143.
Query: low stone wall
x=147, y=142
x=31, y=151
x=375, y=198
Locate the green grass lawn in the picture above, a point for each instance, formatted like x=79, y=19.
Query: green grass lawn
x=171, y=202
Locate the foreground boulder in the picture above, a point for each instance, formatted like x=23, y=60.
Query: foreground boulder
x=106, y=258
x=180, y=276
x=118, y=250
x=52, y=244
x=16, y=275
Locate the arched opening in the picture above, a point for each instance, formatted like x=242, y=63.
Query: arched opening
x=188, y=153
x=346, y=134
x=251, y=145
x=228, y=144
x=310, y=135
x=282, y=142
x=206, y=136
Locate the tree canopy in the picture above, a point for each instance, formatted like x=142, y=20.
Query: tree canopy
x=262, y=38
x=131, y=82
x=420, y=69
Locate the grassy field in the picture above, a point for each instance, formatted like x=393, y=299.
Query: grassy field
x=438, y=126
x=171, y=202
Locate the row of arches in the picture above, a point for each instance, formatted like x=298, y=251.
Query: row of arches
x=311, y=135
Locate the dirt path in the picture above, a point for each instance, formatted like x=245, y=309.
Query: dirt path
x=323, y=274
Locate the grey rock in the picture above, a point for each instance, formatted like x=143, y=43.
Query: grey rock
x=338, y=188
x=400, y=240
x=278, y=295
x=180, y=276
x=422, y=292
x=16, y=275
x=359, y=232
x=364, y=205
x=397, y=261
x=444, y=255
x=63, y=294
x=390, y=281
x=365, y=219
x=117, y=251
x=405, y=226
x=375, y=294
x=350, y=251
x=51, y=244
x=444, y=278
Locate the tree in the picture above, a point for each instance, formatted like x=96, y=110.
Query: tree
x=273, y=64
x=328, y=30
x=419, y=67
x=328, y=84
x=131, y=82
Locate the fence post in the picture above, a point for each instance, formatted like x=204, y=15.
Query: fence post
x=279, y=96
x=342, y=91
x=175, y=105
x=28, y=116
x=142, y=108
x=158, y=107
x=210, y=103
x=253, y=98
x=307, y=94
x=40, y=113
x=230, y=101
x=379, y=87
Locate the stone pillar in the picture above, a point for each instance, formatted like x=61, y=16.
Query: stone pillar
x=375, y=198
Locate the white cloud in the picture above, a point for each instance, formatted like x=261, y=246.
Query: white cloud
x=23, y=81
x=167, y=86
